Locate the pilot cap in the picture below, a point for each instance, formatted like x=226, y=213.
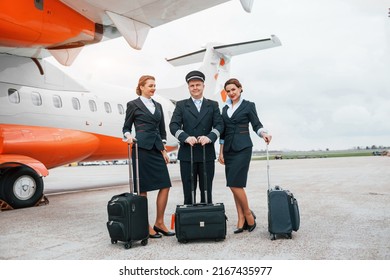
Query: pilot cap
x=195, y=75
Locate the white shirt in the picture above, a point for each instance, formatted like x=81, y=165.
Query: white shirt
x=198, y=105
x=232, y=109
x=148, y=103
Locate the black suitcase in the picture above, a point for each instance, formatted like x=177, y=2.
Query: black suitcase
x=128, y=213
x=283, y=210
x=200, y=221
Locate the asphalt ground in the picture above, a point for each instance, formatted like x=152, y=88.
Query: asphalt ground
x=344, y=207
x=343, y=202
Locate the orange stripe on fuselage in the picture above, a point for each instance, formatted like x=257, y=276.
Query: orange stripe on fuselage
x=55, y=146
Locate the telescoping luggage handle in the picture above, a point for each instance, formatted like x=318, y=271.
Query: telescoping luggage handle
x=131, y=181
x=204, y=175
x=269, y=185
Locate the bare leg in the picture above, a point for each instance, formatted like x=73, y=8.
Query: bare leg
x=151, y=230
x=240, y=212
x=161, y=203
x=242, y=200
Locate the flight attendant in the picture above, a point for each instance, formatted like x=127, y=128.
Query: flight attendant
x=236, y=149
x=148, y=119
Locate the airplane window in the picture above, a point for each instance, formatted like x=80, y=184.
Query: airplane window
x=13, y=95
x=120, y=109
x=36, y=98
x=76, y=103
x=107, y=106
x=92, y=105
x=57, y=101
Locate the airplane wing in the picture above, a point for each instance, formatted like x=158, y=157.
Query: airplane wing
x=227, y=50
x=38, y=28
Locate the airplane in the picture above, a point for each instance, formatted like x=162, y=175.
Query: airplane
x=49, y=119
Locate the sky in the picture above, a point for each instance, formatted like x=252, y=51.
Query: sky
x=326, y=87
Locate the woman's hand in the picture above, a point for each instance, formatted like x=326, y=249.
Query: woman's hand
x=221, y=159
x=165, y=156
x=267, y=138
x=128, y=138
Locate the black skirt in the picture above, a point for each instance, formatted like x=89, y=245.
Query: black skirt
x=153, y=171
x=237, y=166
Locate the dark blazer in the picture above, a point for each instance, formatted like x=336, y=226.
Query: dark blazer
x=187, y=121
x=236, y=130
x=149, y=128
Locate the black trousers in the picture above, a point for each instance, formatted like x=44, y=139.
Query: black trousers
x=185, y=171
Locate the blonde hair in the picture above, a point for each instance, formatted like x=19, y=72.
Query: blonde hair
x=141, y=82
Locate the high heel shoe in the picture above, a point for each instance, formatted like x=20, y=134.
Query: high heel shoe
x=165, y=233
x=245, y=226
x=252, y=227
x=241, y=229
x=253, y=214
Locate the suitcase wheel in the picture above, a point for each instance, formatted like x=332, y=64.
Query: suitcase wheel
x=183, y=241
x=128, y=245
x=114, y=241
x=273, y=236
x=144, y=242
x=289, y=235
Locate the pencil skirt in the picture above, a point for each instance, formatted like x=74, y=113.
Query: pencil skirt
x=153, y=171
x=236, y=167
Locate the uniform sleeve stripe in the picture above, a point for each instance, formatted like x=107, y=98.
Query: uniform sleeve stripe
x=216, y=132
x=177, y=134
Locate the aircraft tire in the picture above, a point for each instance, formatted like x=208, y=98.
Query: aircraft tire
x=22, y=187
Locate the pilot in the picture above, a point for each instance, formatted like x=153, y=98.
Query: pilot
x=196, y=122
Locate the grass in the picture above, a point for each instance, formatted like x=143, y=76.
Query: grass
x=312, y=154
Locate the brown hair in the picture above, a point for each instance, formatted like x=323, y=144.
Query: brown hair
x=141, y=82
x=233, y=81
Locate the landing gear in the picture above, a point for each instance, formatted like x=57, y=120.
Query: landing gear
x=21, y=187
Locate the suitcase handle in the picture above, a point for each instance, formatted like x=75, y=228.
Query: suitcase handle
x=131, y=180
x=204, y=175
x=266, y=149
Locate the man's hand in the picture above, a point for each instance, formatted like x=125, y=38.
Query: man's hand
x=191, y=140
x=203, y=140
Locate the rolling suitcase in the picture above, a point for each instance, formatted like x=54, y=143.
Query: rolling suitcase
x=128, y=212
x=283, y=210
x=201, y=220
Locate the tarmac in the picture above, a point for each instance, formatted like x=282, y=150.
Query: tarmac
x=343, y=202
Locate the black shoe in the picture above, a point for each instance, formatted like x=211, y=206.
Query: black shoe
x=156, y=235
x=253, y=214
x=245, y=226
x=239, y=230
x=165, y=233
x=251, y=227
